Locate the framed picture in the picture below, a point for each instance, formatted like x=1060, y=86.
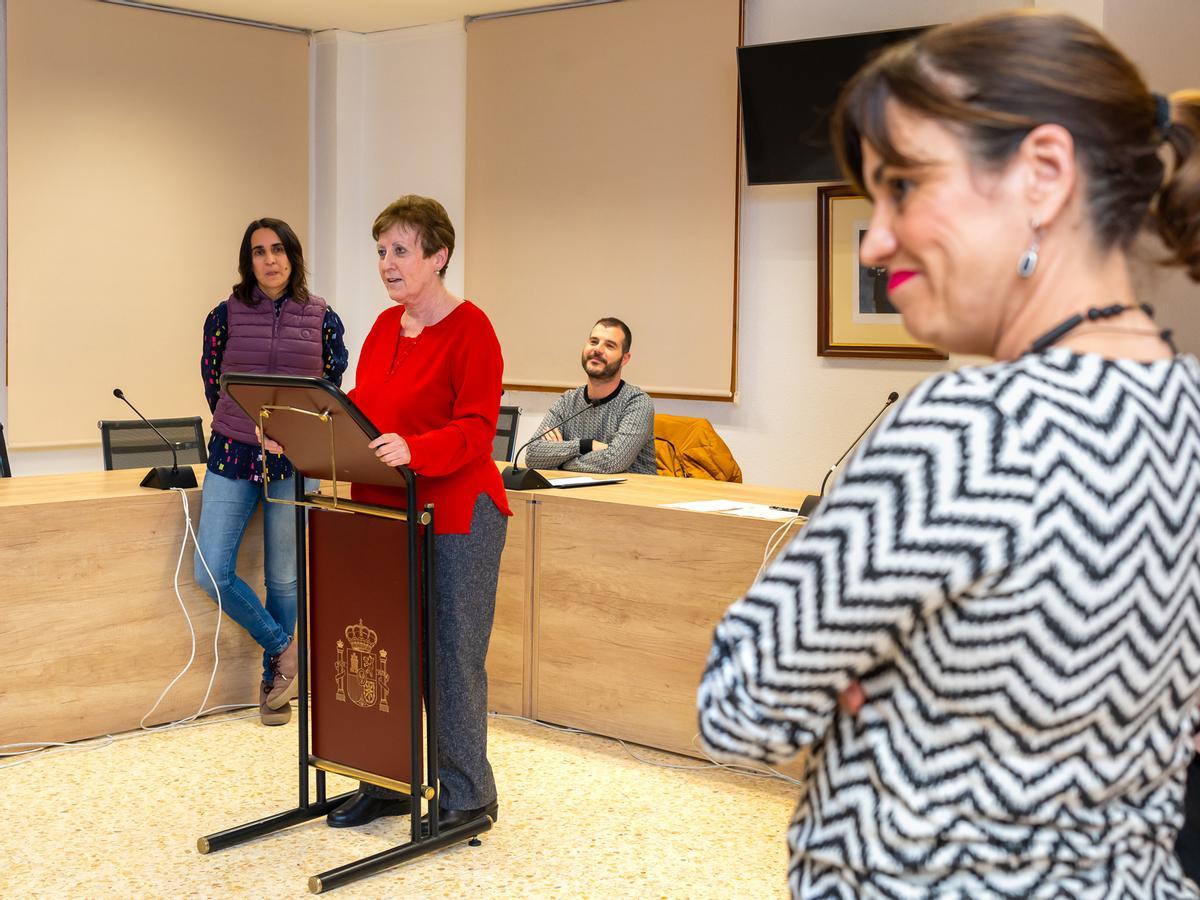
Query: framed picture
x=855, y=317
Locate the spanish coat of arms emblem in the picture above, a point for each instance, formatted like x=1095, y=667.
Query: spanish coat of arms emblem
x=362, y=673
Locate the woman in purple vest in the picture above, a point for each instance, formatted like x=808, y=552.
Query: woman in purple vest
x=269, y=324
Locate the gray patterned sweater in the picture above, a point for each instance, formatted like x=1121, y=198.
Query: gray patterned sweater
x=624, y=420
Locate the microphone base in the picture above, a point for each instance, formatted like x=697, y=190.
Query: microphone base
x=164, y=478
x=523, y=479
x=809, y=505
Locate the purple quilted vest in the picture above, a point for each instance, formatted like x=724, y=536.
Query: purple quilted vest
x=259, y=341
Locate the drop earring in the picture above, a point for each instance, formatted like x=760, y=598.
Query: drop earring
x=1027, y=264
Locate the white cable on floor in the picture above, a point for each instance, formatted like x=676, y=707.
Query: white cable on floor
x=36, y=750
x=187, y=525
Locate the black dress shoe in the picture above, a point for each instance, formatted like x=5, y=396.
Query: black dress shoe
x=363, y=808
x=452, y=818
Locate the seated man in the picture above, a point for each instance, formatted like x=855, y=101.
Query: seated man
x=617, y=433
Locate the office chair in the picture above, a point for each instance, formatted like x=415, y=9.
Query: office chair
x=506, y=433
x=130, y=444
x=5, y=468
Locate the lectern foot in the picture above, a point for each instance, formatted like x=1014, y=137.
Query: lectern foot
x=334, y=878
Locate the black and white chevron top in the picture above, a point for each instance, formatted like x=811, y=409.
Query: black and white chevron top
x=1010, y=565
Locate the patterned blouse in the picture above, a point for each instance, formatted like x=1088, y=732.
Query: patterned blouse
x=1010, y=567
x=234, y=459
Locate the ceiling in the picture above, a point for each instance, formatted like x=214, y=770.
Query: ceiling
x=351, y=15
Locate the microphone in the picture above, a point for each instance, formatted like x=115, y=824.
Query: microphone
x=809, y=506
x=162, y=477
x=517, y=479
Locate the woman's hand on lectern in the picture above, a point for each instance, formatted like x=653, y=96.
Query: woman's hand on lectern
x=270, y=445
x=391, y=449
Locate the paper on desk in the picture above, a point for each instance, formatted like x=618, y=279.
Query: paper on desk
x=577, y=480
x=760, y=511
x=705, y=505
x=733, y=508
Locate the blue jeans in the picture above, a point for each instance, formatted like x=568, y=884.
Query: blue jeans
x=227, y=505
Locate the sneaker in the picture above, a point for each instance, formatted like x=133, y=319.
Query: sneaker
x=284, y=685
x=269, y=716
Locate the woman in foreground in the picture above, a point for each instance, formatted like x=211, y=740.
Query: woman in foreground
x=1003, y=590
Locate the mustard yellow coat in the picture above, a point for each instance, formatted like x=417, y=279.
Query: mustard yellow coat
x=687, y=447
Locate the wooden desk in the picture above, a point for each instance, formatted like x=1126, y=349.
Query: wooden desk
x=604, y=612
x=90, y=627
x=621, y=597
x=509, y=663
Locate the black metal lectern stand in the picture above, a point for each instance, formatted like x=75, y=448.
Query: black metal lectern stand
x=326, y=437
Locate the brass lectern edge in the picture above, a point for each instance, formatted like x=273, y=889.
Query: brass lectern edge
x=350, y=772
x=324, y=501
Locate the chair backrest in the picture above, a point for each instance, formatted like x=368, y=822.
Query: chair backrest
x=691, y=448
x=505, y=441
x=130, y=444
x=5, y=468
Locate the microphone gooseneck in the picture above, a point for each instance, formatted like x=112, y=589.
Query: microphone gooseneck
x=517, y=479
x=516, y=456
x=120, y=395
x=891, y=398
x=160, y=477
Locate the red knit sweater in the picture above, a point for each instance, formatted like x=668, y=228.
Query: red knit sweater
x=443, y=398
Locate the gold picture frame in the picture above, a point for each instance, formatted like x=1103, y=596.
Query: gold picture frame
x=854, y=316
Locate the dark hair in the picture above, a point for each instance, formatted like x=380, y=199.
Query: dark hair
x=297, y=282
x=1177, y=207
x=610, y=322
x=426, y=217
x=996, y=78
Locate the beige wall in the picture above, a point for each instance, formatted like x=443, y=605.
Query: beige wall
x=795, y=412
x=140, y=145
x=371, y=95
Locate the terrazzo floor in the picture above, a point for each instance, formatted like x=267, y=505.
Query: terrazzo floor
x=579, y=817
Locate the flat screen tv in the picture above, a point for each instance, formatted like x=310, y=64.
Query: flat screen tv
x=788, y=94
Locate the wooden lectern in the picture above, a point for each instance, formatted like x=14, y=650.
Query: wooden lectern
x=368, y=625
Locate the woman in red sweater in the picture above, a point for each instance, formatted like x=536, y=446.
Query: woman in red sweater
x=429, y=377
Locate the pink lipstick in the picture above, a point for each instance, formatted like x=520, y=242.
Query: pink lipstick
x=898, y=278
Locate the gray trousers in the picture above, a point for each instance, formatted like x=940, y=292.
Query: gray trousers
x=466, y=569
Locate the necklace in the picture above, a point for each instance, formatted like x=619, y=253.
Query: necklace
x=1055, y=334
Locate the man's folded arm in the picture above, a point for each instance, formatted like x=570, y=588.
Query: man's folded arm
x=636, y=428
x=543, y=454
